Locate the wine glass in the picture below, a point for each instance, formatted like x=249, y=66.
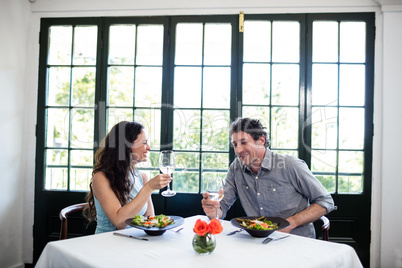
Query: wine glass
x=167, y=166
x=215, y=190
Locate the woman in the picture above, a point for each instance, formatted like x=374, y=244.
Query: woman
x=119, y=191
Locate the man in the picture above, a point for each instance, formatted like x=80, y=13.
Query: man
x=270, y=184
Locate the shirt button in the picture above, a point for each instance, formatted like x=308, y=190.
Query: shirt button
x=258, y=193
x=274, y=189
x=261, y=208
x=247, y=187
x=256, y=178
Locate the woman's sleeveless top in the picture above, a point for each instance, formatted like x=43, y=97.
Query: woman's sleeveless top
x=103, y=223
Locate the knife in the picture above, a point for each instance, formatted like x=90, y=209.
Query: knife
x=269, y=239
x=126, y=235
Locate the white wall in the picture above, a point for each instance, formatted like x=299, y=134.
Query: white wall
x=14, y=32
x=391, y=234
x=17, y=155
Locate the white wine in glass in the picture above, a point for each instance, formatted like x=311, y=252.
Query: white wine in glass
x=215, y=190
x=215, y=196
x=167, y=164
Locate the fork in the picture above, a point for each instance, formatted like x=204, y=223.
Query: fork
x=269, y=239
x=232, y=233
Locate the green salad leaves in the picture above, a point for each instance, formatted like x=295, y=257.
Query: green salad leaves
x=159, y=221
x=258, y=224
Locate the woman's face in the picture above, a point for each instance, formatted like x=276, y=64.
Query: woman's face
x=140, y=148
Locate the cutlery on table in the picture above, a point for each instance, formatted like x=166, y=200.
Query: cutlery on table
x=131, y=236
x=269, y=239
x=232, y=233
x=176, y=230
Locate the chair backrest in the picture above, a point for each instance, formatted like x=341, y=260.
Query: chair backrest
x=325, y=224
x=63, y=217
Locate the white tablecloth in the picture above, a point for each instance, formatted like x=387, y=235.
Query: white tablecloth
x=175, y=250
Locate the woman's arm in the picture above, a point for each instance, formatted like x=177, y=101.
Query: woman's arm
x=111, y=205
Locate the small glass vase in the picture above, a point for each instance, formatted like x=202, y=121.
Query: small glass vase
x=204, y=245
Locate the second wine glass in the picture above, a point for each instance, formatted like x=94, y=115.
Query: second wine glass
x=215, y=190
x=167, y=164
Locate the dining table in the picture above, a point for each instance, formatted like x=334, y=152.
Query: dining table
x=174, y=249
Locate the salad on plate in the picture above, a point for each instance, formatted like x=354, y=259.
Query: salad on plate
x=259, y=224
x=159, y=221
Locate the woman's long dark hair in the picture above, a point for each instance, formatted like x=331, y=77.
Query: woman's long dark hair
x=114, y=159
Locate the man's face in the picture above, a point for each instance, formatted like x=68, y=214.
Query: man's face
x=246, y=148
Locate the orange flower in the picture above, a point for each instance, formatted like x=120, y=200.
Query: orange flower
x=201, y=228
x=215, y=227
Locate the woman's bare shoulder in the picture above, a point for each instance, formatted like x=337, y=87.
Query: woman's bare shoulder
x=99, y=178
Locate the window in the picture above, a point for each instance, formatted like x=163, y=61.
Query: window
x=69, y=107
x=338, y=104
x=306, y=77
x=271, y=80
x=201, y=105
x=134, y=81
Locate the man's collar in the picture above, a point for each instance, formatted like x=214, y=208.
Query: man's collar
x=266, y=162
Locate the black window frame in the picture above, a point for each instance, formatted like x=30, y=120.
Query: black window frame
x=236, y=79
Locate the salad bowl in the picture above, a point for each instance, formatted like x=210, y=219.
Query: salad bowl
x=281, y=223
x=154, y=231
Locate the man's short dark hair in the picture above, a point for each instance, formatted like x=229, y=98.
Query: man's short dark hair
x=251, y=126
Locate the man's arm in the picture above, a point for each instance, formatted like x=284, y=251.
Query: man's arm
x=310, y=214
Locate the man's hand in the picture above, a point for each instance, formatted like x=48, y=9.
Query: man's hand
x=210, y=207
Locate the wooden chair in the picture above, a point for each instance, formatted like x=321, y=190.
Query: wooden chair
x=63, y=217
x=325, y=224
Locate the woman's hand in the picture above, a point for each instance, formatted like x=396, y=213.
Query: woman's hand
x=160, y=181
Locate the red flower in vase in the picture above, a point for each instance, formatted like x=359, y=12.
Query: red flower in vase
x=201, y=228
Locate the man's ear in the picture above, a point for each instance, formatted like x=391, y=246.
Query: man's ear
x=261, y=140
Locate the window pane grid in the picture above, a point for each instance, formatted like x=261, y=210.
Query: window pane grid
x=342, y=53
x=70, y=67
x=135, y=82
x=336, y=120
x=268, y=99
x=198, y=119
